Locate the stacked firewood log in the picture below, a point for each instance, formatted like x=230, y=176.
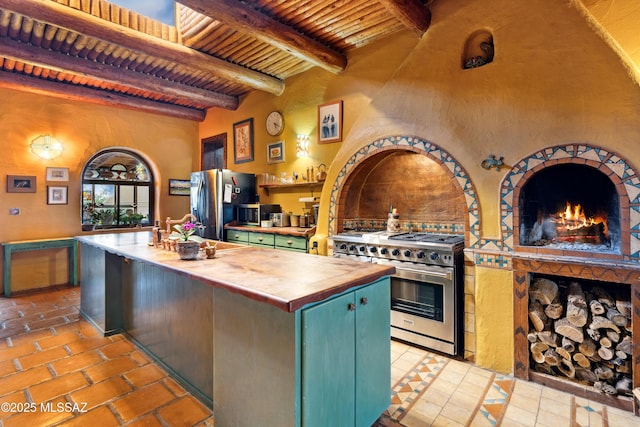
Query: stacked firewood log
x=581, y=334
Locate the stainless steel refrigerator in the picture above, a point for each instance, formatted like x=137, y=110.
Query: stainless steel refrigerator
x=214, y=196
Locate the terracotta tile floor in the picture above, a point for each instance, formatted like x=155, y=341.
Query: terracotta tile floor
x=60, y=372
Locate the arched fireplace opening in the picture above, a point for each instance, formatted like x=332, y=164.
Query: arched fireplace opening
x=570, y=207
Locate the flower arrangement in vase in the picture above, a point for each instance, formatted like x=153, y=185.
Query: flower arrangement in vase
x=187, y=242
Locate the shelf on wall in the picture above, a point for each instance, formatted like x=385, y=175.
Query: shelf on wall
x=311, y=185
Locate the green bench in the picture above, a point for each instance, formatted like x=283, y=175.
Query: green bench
x=35, y=245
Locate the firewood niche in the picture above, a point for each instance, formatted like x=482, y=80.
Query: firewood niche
x=574, y=327
x=581, y=331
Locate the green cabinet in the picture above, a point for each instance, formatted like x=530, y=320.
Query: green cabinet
x=238, y=236
x=261, y=239
x=346, y=372
x=269, y=240
x=292, y=243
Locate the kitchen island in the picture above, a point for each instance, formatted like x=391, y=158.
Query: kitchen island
x=266, y=337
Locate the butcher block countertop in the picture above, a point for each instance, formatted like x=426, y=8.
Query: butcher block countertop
x=286, y=280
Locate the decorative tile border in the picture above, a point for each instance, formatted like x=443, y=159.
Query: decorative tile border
x=620, y=172
x=408, y=390
x=618, y=169
x=418, y=145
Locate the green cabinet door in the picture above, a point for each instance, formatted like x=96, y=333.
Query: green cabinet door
x=373, y=356
x=346, y=373
x=328, y=383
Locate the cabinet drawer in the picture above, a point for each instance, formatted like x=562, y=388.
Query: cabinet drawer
x=238, y=236
x=291, y=242
x=261, y=239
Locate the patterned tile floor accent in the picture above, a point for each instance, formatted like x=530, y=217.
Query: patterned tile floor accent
x=432, y=390
x=49, y=355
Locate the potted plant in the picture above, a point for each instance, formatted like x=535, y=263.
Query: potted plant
x=188, y=243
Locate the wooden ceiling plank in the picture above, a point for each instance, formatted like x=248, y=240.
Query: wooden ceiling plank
x=412, y=13
x=83, y=23
x=268, y=30
x=68, y=64
x=83, y=94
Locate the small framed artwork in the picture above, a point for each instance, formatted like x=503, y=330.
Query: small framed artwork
x=57, y=174
x=330, y=122
x=243, y=141
x=21, y=184
x=275, y=152
x=57, y=195
x=179, y=187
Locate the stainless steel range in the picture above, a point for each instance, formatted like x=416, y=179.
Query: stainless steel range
x=427, y=289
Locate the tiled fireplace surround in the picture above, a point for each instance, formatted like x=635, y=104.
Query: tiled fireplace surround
x=505, y=253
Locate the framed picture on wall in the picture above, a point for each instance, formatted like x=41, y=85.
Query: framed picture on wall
x=179, y=187
x=330, y=122
x=243, y=141
x=57, y=174
x=21, y=184
x=57, y=195
x=275, y=152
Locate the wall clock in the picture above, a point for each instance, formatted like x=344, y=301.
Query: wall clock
x=275, y=123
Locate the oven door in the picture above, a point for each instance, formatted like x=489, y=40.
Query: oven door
x=423, y=306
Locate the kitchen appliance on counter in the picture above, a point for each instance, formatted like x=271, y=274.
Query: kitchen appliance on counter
x=427, y=294
x=255, y=213
x=281, y=219
x=215, y=194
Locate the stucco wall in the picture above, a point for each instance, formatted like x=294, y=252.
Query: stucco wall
x=83, y=129
x=553, y=81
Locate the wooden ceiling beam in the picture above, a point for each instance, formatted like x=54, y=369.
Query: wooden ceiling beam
x=118, y=76
x=80, y=22
x=247, y=20
x=412, y=13
x=72, y=92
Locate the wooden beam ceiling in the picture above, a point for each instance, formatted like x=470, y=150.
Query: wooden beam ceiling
x=77, y=21
x=245, y=19
x=412, y=13
x=82, y=94
x=95, y=70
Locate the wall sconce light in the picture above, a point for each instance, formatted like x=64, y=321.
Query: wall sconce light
x=302, y=145
x=46, y=147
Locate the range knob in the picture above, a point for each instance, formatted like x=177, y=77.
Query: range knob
x=395, y=252
x=352, y=248
x=407, y=253
x=343, y=246
x=434, y=256
x=420, y=254
x=384, y=251
x=362, y=249
x=373, y=249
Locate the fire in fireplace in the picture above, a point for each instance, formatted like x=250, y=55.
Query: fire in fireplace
x=572, y=207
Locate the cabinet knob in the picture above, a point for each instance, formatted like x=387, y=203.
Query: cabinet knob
x=364, y=300
x=260, y=238
x=289, y=242
x=351, y=307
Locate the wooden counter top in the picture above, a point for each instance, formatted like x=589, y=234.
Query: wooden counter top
x=290, y=231
x=284, y=279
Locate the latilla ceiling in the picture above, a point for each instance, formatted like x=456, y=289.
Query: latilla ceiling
x=95, y=51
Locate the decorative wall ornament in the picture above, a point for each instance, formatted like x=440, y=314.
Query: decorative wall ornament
x=492, y=162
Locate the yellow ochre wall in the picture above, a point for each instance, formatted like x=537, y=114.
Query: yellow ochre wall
x=554, y=80
x=83, y=129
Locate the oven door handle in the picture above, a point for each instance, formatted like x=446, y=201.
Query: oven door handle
x=422, y=275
